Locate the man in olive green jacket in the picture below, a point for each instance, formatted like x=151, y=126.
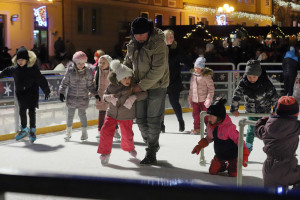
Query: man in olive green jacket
x=147, y=55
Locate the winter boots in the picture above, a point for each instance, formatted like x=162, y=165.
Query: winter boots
x=22, y=133
x=84, y=135
x=68, y=134
x=150, y=159
x=133, y=153
x=32, y=136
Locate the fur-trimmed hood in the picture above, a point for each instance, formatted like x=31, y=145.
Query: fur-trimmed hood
x=205, y=72
x=30, y=63
x=112, y=77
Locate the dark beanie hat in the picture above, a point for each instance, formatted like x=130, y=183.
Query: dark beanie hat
x=141, y=25
x=286, y=106
x=253, y=68
x=22, y=53
x=218, y=108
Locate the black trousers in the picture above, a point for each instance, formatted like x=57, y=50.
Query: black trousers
x=174, y=101
x=23, y=117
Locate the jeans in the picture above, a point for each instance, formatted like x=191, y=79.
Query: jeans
x=174, y=101
x=149, y=115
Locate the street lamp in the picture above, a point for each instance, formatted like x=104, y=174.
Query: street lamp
x=221, y=17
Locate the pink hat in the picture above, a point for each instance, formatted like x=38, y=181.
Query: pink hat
x=79, y=56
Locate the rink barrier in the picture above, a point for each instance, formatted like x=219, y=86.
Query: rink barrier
x=242, y=124
x=83, y=186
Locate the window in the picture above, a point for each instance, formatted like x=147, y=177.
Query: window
x=204, y=21
x=143, y=1
x=246, y=1
x=158, y=20
x=172, y=21
x=171, y=3
x=267, y=2
x=80, y=19
x=158, y=2
x=191, y=20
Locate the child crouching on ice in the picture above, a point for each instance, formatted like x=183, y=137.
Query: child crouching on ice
x=121, y=109
x=222, y=131
x=280, y=134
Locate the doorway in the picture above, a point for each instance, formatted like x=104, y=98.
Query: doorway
x=41, y=42
x=2, y=31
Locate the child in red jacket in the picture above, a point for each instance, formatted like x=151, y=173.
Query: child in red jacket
x=222, y=131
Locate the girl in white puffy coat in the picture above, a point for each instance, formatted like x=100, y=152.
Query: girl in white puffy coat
x=201, y=91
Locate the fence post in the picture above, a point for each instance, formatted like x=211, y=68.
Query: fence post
x=202, y=157
x=240, y=152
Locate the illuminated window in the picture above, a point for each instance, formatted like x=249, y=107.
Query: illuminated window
x=158, y=20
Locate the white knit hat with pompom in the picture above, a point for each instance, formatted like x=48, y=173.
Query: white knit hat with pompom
x=122, y=71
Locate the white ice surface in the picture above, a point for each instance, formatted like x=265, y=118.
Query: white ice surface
x=51, y=154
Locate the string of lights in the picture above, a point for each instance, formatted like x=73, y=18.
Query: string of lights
x=287, y=4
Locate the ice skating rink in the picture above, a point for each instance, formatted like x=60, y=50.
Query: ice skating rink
x=51, y=154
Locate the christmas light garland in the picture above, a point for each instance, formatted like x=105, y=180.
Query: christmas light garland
x=287, y=4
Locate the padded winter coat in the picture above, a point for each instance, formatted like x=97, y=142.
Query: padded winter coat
x=150, y=63
x=79, y=84
x=119, y=111
x=27, y=79
x=258, y=96
x=101, y=82
x=202, y=87
x=281, y=138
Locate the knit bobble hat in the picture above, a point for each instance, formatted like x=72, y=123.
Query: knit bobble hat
x=99, y=53
x=141, y=25
x=253, y=68
x=200, y=62
x=122, y=71
x=22, y=53
x=106, y=57
x=218, y=108
x=292, y=49
x=79, y=56
x=286, y=106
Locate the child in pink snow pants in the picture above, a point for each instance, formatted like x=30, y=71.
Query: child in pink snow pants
x=121, y=109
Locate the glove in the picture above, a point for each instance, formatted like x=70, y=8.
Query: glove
x=112, y=99
x=129, y=101
x=245, y=157
x=62, y=97
x=98, y=97
x=207, y=103
x=201, y=144
x=47, y=96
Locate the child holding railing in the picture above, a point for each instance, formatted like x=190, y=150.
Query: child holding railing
x=259, y=95
x=223, y=133
x=280, y=134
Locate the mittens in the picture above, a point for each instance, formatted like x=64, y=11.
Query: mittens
x=245, y=157
x=129, y=101
x=47, y=96
x=207, y=103
x=201, y=144
x=112, y=99
x=62, y=97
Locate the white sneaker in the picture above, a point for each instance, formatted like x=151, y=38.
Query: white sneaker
x=104, y=159
x=133, y=153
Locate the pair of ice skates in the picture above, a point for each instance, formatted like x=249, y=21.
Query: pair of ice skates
x=84, y=135
x=24, y=132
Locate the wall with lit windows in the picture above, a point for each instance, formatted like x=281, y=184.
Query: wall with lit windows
x=19, y=23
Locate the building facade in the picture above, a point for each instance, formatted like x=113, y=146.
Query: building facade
x=30, y=23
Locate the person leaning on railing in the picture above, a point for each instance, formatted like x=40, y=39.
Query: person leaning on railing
x=259, y=95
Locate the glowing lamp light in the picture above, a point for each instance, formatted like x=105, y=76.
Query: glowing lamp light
x=226, y=9
x=41, y=16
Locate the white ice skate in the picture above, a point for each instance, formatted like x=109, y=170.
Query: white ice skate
x=104, y=159
x=68, y=134
x=133, y=153
x=84, y=135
